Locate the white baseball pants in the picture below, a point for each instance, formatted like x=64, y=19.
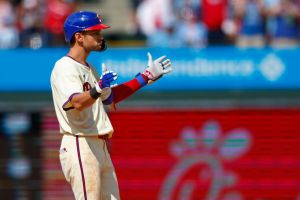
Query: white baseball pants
x=88, y=168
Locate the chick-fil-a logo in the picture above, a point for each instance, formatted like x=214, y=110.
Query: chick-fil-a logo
x=201, y=154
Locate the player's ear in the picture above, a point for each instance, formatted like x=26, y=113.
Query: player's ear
x=79, y=37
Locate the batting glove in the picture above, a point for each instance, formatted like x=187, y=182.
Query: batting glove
x=105, y=83
x=158, y=67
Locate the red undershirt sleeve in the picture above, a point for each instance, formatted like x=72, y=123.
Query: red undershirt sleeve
x=121, y=92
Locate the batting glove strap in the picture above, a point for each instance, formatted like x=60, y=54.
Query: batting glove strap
x=158, y=67
x=142, y=79
x=109, y=100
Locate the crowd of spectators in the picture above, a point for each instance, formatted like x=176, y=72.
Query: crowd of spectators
x=198, y=23
x=33, y=23
x=164, y=23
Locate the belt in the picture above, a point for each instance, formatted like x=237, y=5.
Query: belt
x=104, y=137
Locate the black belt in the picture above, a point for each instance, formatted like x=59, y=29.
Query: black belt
x=104, y=137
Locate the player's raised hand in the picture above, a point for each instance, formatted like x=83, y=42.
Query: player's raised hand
x=105, y=84
x=158, y=67
x=107, y=77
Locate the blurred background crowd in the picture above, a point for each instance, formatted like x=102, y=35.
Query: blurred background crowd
x=157, y=23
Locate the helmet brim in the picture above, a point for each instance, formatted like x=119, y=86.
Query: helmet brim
x=97, y=27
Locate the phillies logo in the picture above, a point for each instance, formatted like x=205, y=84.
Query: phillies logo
x=200, y=172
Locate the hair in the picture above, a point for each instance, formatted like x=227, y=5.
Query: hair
x=72, y=41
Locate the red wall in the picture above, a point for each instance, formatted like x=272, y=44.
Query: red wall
x=264, y=162
x=204, y=154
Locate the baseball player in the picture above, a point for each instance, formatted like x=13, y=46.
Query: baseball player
x=79, y=96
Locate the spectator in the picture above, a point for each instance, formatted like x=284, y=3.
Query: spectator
x=30, y=24
x=9, y=34
x=190, y=31
x=164, y=37
x=283, y=23
x=135, y=29
x=250, y=15
x=56, y=13
x=230, y=24
x=154, y=14
x=213, y=15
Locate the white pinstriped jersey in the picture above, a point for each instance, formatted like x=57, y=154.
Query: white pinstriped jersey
x=69, y=77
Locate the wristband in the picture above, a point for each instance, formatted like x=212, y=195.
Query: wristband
x=139, y=77
x=94, y=94
x=109, y=100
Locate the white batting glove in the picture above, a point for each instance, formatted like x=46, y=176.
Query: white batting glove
x=158, y=67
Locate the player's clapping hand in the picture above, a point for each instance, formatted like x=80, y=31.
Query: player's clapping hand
x=105, y=83
x=107, y=77
x=158, y=67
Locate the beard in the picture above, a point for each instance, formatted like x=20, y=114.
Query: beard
x=98, y=47
x=102, y=46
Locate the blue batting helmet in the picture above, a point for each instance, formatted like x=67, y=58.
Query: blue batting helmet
x=82, y=21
